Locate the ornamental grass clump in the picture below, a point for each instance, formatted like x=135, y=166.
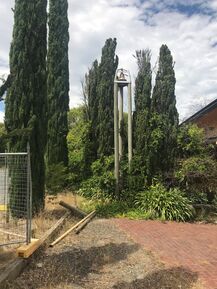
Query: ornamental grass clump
x=164, y=204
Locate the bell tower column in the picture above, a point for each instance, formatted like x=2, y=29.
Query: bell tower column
x=122, y=79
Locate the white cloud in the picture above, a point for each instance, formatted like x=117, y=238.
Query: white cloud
x=6, y=16
x=191, y=39
x=2, y=115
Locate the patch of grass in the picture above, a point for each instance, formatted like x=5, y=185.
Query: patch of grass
x=41, y=223
x=137, y=214
x=44, y=220
x=88, y=205
x=113, y=209
x=52, y=201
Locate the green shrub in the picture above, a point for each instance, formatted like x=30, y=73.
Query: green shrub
x=79, y=146
x=103, y=165
x=164, y=204
x=190, y=140
x=198, y=177
x=56, y=178
x=102, y=183
x=133, y=180
x=99, y=187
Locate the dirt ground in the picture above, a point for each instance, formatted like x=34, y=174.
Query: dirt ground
x=40, y=224
x=101, y=257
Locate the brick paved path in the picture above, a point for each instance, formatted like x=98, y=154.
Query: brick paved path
x=193, y=246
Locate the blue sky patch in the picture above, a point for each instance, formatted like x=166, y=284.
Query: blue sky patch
x=187, y=8
x=2, y=106
x=214, y=44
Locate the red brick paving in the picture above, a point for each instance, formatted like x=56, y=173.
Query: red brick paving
x=193, y=246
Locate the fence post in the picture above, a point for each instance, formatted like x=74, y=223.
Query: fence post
x=29, y=198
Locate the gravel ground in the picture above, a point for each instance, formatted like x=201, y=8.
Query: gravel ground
x=101, y=257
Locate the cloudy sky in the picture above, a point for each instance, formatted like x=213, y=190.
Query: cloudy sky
x=188, y=27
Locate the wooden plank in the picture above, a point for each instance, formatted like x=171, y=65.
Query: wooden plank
x=12, y=271
x=25, y=251
x=3, y=208
x=71, y=229
x=12, y=234
x=49, y=234
x=81, y=227
x=75, y=211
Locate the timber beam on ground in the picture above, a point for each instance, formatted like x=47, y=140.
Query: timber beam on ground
x=80, y=224
x=15, y=267
x=75, y=211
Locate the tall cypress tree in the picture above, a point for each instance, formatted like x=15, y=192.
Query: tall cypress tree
x=26, y=98
x=58, y=82
x=142, y=103
x=105, y=94
x=93, y=105
x=164, y=120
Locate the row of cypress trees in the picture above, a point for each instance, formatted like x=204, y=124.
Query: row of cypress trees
x=100, y=90
x=155, y=119
x=156, y=116
x=37, y=97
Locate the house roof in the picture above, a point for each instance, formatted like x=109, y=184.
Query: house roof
x=212, y=105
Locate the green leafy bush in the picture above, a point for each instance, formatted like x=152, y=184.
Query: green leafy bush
x=79, y=146
x=99, y=187
x=131, y=181
x=190, y=140
x=198, y=177
x=56, y=178
x=164, y=204
x=102, y=183
x=102, y=165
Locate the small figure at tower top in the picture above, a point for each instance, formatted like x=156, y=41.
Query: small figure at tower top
x=122, y=75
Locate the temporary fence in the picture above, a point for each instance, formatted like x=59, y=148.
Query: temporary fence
x=15, y=198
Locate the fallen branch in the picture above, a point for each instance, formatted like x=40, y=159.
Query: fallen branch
x=78, y=230
x=74, y=210
x=71, y=229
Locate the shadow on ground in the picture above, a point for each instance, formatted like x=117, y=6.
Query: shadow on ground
x=71, y=266
x=173, y=278
x=54, y=214
x=5, y=258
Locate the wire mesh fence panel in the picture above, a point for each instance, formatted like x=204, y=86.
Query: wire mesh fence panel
x=15, y=198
